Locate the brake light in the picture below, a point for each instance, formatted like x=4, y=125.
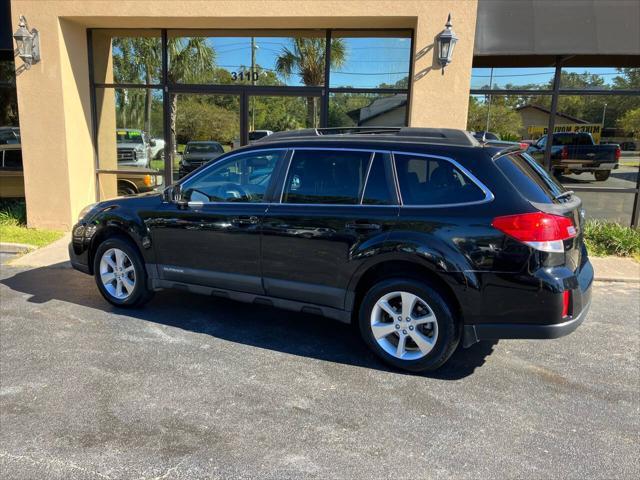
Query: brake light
x=524, y=146
x=566, y=300
x=618, y=153
x=565, y=153
x=539, y=230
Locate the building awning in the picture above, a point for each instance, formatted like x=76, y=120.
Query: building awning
x=544, y=29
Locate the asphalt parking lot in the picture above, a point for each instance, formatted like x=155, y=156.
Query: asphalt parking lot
x=195, y=387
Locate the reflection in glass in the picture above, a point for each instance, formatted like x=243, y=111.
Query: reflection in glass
x=244, y=60
x=367, y=110
x=130, y=138
x=204, y=126
x=268, y=114
x=528, y=78
x=370, y=59
x=119, y=57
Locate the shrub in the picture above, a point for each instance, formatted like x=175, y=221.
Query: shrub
x=608, y=238
x=13, y=212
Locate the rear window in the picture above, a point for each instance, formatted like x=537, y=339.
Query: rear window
x=434, y=181
x=532, y=181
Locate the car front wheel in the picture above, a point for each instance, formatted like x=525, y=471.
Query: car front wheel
x=120, y=274
x=408, y=324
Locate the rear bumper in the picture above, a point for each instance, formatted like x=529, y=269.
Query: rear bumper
x=547, y=306
x=476, y=333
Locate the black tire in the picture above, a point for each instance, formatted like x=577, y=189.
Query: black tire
x=448, y=330
x=602, y=175
x=141, y=293
x=126, y=190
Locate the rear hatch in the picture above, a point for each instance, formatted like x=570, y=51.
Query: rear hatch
x=547, y=195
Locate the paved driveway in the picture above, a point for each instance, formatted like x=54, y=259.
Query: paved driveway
x=194, y=387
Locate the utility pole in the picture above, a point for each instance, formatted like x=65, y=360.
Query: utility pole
x=604, y=113
x=253, y=80
x=486, y=128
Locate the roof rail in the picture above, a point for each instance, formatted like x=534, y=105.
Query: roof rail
x=436, y=135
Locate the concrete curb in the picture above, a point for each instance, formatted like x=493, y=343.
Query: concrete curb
x=617, y=280
x=6, y=247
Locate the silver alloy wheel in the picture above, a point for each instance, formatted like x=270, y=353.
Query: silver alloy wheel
x=404, y=325
x=117, y=273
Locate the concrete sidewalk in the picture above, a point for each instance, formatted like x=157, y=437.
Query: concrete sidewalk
x=54, y=254
x=608, y=269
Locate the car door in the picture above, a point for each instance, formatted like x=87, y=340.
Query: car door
x=336, y=206
x=211, y=236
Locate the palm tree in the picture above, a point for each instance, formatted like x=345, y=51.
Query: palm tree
x=307, y=58
x=191, y=61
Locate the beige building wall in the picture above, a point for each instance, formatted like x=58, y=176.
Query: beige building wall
x=54, y=99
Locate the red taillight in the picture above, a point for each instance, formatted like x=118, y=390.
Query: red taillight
x=539, y=230
x=565, y=153
x=618, y=153
x=524, y=146
x=566, y=301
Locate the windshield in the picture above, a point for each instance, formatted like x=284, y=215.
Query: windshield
x=129, y=136
x=204, y=148
x=529, y=178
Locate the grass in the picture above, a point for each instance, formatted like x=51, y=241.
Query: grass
x=13, y=228
x=608, y=238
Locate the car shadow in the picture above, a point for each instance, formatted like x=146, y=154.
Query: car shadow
x=256, y=325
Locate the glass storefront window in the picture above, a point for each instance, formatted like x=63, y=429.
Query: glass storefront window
x=279, y=113
x=247, y=58
x=130, y=138
x=122, y=57
x=509, y=117
x=206, y=126
x=367, y=110
x=590, y=78
x=368, y=59
x=529, y=78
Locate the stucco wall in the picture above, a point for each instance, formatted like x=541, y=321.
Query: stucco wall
x=53, y=97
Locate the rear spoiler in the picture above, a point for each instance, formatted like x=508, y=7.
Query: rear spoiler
x=508, y=150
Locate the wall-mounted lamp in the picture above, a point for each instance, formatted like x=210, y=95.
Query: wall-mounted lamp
x=446, y=42
x=28, y=43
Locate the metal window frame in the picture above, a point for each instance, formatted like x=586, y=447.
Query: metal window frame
x=556, y=92
x=323, y=92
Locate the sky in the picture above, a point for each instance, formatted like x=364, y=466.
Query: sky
x=370, y=61
x=539, y=76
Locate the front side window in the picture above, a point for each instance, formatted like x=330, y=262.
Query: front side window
x=433, y=181
x=242, y=178
x=332, y=177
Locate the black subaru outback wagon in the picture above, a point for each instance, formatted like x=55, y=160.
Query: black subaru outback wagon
x=423, y=238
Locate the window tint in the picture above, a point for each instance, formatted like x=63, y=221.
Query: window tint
x=432, y=181
x=243, y=178
x=13, y=159
x=326, y=176
x=377, y=189
x=529, y=178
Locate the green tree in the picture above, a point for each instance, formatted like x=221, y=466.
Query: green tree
x=307, y=58
x=630, y=122
x=503, y=120
x=192, y=60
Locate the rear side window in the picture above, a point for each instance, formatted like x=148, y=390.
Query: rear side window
x=326, y=177
x=433, y=181
x=529, y=178
x=377, y=191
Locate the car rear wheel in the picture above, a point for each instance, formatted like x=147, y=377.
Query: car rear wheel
x=120, y=274
x=408, y=324
x=602, y=175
